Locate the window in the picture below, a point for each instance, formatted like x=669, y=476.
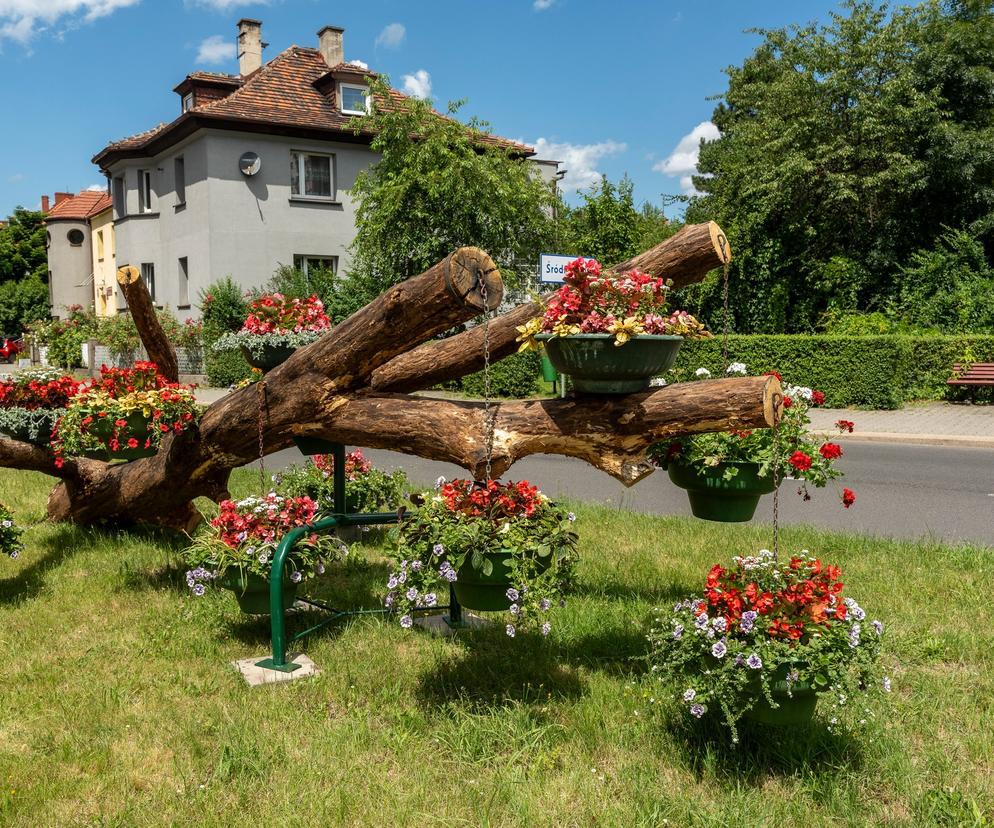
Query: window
x=355, y=99
x=188, y=102
x=305, y=264
x=310, y=175
x=148, y=277
x=144, y=191
x=75, y=237
x=184, y=284
x=120, y=206
x=179, y=170
x=100, y=245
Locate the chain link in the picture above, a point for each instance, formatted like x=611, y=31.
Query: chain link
x=726, y=318
x=489, y=415
x=777, y=408
x=261, y=385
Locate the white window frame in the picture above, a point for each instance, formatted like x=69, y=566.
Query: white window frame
x=188, y=102
x=144, y=191
x=183, y=282
x=179, y=184
x=341, y=98
x=298, y=157
x=148, y=277
x=305, y=260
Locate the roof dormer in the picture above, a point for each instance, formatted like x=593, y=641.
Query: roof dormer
x=199, y=88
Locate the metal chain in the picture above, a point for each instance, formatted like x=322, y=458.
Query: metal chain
x=725, y=322
x=489, y=415
x=261, y=385
x=777, y=408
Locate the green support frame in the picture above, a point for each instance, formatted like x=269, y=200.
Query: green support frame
x=341, y=517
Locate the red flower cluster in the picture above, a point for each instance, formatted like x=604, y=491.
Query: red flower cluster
x=117, y=382
x=810, y=597
x=848, y=497
x=35, y=394
x=800, y=461
x=275, y=313
x=845, y=425
x=262, y=520
x=355, y=464
x=831, y=451
x=495, y=499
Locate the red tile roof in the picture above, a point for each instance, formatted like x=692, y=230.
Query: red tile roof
x=278, y=98
x=80, y=207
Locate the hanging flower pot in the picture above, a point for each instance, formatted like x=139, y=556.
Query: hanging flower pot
x=796, y=701
x=276, y=326
x=728, y=492
x=121, y=439
x=32, y=401
x=597, y=365
x=477, y=589
x=252, y=591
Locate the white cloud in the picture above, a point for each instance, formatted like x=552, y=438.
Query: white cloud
x=579, y=160
x=96, y=188
x=16, y=177
x=418, y=85
x=682, y=161
x=226, y=5
x=216, y=49
x=360, y=63
x=21, y=20
x=392, y=36
x=542, y=5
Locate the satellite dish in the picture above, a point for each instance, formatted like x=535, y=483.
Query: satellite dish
x=250, y=163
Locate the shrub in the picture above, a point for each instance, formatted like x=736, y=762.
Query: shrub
x=224, y=308
x=514, y=376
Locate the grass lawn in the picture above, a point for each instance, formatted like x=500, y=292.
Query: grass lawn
x=118, y=705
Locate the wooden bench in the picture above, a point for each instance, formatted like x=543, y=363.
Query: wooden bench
x=979, y=373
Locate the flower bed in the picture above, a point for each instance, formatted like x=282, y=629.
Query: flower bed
x=764, y=637
x=503, y=546
x=123, y=414
x=275, y=326
x=32, y=401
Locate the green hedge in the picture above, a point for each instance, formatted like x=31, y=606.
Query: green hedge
x=514, y=376
x=867, y=371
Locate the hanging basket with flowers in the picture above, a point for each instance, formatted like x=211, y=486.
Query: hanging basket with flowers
x=764, y=640
x=610, y=333
x=123, y=415
x=236, y=550
x=504, y=547
x=276, y=326
x=367, y=489
x=10, y=534
x=32, y=401
x=726, y=473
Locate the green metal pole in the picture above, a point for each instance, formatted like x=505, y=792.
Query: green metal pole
x=338, y=452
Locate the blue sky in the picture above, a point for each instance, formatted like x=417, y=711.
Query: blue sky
x=606, y=87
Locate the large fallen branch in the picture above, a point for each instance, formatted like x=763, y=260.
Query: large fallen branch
x=333, y=388
x=157, y=345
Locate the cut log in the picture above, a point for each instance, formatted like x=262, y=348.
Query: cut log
x=685, y=258
x=160, y=350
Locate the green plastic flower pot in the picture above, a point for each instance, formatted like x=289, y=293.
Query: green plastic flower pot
x=488, y=593
x=549, y=372
x=598, y=366
x=252, y=591
x=137, y=428
x=269, y=357
x=794, y=709
x=712, y=497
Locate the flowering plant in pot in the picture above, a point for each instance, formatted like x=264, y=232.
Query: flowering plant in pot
x=610, y=333
x=236, y=550
x=367, y=489
x=275, y=327
x=726, y=473
x=502, y=546
x=32, y=401
x=123, y=414
x=10, y=534
x=764, y=639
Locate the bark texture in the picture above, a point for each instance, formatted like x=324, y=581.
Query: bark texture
x=160, y=350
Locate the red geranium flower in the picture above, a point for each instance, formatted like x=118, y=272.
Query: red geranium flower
x=845, y=425
x=831, y=451
x=800, y=461
x=848, y=497
x=818, y=397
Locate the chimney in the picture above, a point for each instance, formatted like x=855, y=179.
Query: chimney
x=44, y=203
x=249, y=46
x=330, y=45
x=60, y=197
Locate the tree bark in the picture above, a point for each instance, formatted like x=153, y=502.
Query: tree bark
x=685, y=258
x=160, y=349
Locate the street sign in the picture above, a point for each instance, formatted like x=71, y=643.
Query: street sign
x=552, y=267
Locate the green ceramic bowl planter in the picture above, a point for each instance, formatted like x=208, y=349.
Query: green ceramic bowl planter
x=598, y=366
x=267, y=356
x=476, y=590
x=136, y=428
x=713, y=497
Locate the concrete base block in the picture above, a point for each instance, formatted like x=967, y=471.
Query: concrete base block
x=438, y=625
x=255, y=675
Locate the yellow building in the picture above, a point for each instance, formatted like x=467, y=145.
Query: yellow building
x=106, y=292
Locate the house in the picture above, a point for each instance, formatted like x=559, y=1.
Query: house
x=71, y=246
x=254, y=172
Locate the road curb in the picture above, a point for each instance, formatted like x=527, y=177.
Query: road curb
x=964, y=441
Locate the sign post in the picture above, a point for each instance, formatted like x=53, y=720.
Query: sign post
x=551, y=269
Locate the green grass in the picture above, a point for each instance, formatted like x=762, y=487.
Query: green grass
x=118, y=705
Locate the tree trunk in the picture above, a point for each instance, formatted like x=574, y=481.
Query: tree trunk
x=686, y=257
x=160, y=349
x=333, y=388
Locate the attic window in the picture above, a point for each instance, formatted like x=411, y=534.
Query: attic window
x=188, y=102
x=354, y=99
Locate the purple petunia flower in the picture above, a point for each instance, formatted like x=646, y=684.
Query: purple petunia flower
x=297, y=577
x=546, y=628
x=514, y=609
x=406, y=622
x=509, y=629
x=438, y=549
x=701, y=621
x=416, y=566
x=678, y=632
x=739, y=660
x=449, y=575
x=199, y=589
x=755, y=662
x=571, y=517
x=886, y=684
x=392, y=582
x=719, y=623
x=878, y=627
x=389, y=600
x=430, y=599
x=544, y=604
x=697, y=710
x=854, y=632
x=512, y=594
x=719, y=649
x=412, y=594
x=689, y=694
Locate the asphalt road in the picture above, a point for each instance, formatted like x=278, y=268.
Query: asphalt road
x=902, y=490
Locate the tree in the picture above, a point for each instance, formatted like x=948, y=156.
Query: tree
x=440, y=184
x=22, y=301
x=608, y=227
x=844, y=148
x=22, y=246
